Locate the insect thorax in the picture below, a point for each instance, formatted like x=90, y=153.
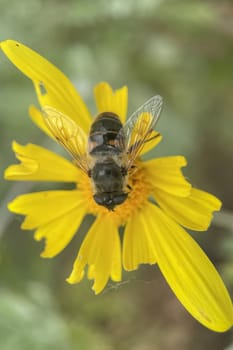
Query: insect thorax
x=108, y=176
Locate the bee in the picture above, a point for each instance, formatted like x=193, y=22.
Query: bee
x=108, y=153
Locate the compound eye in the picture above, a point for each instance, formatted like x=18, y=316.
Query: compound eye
x=99, y=200
x=120, y=198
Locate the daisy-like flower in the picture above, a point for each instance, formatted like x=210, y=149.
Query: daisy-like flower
x=160, y=204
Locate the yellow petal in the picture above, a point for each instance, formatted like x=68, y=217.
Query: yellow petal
x=43, y=207
x=138, y=246
x=91, y=272
x=53, y=88
x=39, y=164
x=190, y=273
x=116, y=270
x=38, y=119
x=59, y=232
x=194, y=212
x=165, y=174
x=155, y=139
x=108, y=100
x=98, y=250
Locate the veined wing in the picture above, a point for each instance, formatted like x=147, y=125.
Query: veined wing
x=139, y=128
x=68, y=134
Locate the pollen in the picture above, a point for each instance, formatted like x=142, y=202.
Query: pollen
x=139, y=189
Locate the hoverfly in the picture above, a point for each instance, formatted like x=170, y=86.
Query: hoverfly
x=107, y=155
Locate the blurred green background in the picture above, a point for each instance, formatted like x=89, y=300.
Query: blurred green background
x=181, y=50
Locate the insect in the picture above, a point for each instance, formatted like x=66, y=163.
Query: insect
x=107, y=155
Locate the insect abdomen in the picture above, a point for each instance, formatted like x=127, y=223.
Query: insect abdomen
x=105, y=136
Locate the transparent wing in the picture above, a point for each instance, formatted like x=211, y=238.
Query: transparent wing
x=139, y=128
x=68, y=134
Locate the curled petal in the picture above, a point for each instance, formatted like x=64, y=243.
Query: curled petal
x=100, y=250
x=53, y=88
x=39, y=164
x=194, y=212
x=190, y=273
x=165, y=174
x=108, y=100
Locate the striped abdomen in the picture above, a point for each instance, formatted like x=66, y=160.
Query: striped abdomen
x=106, y=135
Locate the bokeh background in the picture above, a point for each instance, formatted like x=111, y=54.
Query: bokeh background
x=180, y=49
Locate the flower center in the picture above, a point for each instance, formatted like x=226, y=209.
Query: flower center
x=140, y=189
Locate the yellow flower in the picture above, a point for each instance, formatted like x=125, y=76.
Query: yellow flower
x=161, y=202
